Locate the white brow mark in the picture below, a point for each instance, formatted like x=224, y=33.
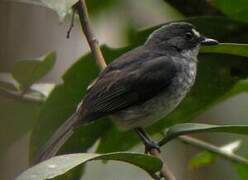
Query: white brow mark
x=51, y=165
x=196, y=32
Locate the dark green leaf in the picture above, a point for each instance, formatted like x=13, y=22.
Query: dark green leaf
x=227, y=48
x=237, y=9
x=189, y=128
x=17, y=118
x=61, y=164
x=194, y=7
x=27, y=72
x=95, y=7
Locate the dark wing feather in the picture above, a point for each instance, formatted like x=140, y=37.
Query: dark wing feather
x=117, y=89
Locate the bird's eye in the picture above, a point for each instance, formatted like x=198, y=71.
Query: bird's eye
x=189, y=35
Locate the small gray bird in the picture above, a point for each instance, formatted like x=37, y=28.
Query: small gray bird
x=141, y=86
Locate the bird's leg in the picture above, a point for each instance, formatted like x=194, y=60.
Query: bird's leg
x=147, y=141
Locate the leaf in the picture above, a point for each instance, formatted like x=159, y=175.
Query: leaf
x=189, y=128
x=17, y=118
x=235, y=9
x=201, y=159
x=242, y=171
x=27, y=72
x=61, y=164
x=227, y=48
x=7, y=82
x=194, y=7
x=63, y=7
x=44, y=88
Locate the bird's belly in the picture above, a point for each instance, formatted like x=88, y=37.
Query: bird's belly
x=156, y=108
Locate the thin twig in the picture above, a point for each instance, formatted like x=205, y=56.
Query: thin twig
x=212, y=148
x=72, y=22
x=94, y=45
x=20, y=96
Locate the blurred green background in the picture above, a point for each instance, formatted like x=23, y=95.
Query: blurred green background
x=35, y=56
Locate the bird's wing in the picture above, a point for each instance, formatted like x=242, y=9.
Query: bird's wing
x=118, y=89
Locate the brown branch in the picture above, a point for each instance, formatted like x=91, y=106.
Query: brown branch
x=93, y=43
x=165, y=171
x=81, y=8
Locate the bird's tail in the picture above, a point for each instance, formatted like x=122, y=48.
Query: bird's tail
x=61, y=135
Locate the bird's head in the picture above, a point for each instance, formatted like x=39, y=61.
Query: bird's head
x=180, y=36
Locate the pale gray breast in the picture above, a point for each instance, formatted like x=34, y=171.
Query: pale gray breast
x=161, y=105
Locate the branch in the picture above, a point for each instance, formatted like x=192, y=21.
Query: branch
x=93, y=43
x=165, y=171
x=21, y=96
x=81, y=8
x=212, y=148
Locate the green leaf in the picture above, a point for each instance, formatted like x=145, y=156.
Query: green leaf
x=237, y=9
x=242, y=171
x=63, y=7
x=61, y=164
x=194, y=7
x=17, y=118
x=201, y=159
x=189, y=128
x=27, y=72
x=227, y=48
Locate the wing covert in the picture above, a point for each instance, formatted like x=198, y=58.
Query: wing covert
x=117, y=89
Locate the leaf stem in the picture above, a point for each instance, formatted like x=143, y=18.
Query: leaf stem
x=95, y=48
x=212, y=148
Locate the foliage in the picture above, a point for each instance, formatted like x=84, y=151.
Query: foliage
x=223, y=67
x=235, y=9
x=27, y=72
x=61, y=164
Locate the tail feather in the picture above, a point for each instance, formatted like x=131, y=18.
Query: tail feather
x=62, y=134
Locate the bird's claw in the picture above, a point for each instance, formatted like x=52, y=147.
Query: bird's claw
x=151, y=145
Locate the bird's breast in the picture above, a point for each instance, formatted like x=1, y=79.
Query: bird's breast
x=161, y=105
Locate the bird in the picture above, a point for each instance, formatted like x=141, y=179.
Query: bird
x=140, y=87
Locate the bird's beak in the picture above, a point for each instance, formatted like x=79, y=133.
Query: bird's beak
x=208, y=41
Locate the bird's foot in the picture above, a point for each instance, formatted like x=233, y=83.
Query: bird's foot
x=149, y=145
